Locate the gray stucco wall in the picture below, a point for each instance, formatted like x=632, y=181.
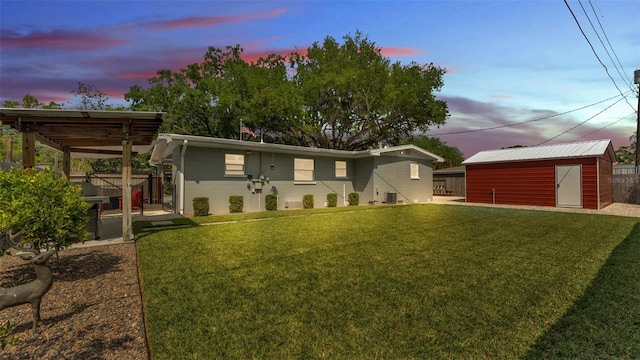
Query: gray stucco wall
x=204, y=169
x=393, y=175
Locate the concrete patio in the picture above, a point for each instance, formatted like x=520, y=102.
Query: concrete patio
x=110, y=225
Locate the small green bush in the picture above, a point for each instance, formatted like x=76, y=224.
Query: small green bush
x=307, y=201
x=236, y=203
x=332, y=200
x=354, y=199
x=271, y=202
x=45, y=208
x=200, y=206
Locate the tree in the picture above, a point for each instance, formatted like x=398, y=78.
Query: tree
x=212, y=98
x=357, y=99
x=45, y=208
x=88, y=97
x=340, y=96
x=451, y=154
x=627, y=154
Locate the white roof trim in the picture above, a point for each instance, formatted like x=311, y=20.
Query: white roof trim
x=167, y=142
x=545, y=152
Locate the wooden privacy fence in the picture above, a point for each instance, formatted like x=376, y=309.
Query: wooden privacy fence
x=625, y=188
x=453, y=186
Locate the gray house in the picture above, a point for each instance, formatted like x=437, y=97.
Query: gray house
x=218, y=168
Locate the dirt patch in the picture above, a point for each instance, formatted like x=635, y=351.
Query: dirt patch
x=93, y=310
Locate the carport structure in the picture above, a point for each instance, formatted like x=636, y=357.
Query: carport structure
x=87, y=133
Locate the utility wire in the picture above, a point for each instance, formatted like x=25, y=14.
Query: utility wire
x=594, y=50
x=624, y=73
x=528, y=121
x=606, y=126
x=600, y=39
x=566, y=131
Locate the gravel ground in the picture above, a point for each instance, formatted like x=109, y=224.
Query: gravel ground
x=93, y=310
x=618, y=209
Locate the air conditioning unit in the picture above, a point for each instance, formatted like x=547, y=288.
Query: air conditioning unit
x=392, y=198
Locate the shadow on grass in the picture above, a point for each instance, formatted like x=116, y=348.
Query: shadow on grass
x=605, y=321
x=142, y=228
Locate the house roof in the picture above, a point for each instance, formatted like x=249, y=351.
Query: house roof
x=545, y=152
x=166, y=143
x=93, y=133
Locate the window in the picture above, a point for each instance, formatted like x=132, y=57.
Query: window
x=302, y=169
x=415, y=174
x=234, y=164
x=341, y=169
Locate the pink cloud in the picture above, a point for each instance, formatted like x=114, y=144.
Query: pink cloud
x=207, y=21
x=61, y=39
x=394, y=51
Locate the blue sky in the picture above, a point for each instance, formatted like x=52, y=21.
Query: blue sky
x=507, y=62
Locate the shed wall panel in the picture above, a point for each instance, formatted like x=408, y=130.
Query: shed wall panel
x=606, y=182
x=527, y=182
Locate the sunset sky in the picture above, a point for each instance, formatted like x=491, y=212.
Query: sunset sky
x=508, y=62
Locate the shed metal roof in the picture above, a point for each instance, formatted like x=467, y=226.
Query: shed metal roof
x=544, y=152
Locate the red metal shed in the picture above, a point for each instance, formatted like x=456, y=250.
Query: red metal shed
x=564, y=175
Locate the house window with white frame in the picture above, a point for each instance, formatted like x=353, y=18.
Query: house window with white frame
x=341, y=169
x=233, y=165
x=303, y=170
x=415, y=171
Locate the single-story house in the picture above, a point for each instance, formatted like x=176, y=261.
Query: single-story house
x=574, y=174
x=218, y=168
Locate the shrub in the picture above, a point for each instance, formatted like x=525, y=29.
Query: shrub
x=354, y=199
x=307, y=201
x=332, y=200
x=45, y=208
x=236, y=203
x=200, y=206
x=271, y=202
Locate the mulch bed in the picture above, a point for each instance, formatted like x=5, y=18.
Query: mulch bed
x=93, y=310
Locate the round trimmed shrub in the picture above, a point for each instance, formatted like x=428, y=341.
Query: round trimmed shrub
x=200, y=206
x=354, y=199
x=271, y=202
x=332, y=200
x=236, y=203
x=307, y=201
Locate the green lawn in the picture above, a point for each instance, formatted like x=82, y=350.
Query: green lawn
x=419, y=281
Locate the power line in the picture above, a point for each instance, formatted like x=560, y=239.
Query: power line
x=594, y=50
x=528, y=121
x=606, y=126
x=624, y=73
x=566, y=131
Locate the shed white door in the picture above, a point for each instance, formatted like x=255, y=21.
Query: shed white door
x=569, y=185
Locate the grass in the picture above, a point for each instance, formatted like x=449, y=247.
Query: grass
x=420, y=281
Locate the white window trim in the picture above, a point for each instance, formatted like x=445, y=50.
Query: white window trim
x=302, y=168
x=345, y=176
x=234, y=160
x=414, y=169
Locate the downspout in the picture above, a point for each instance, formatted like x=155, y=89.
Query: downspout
x=182, y=165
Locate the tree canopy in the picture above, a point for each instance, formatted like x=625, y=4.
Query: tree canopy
x=451, y=154
x=627, y=154
x=333, y=95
